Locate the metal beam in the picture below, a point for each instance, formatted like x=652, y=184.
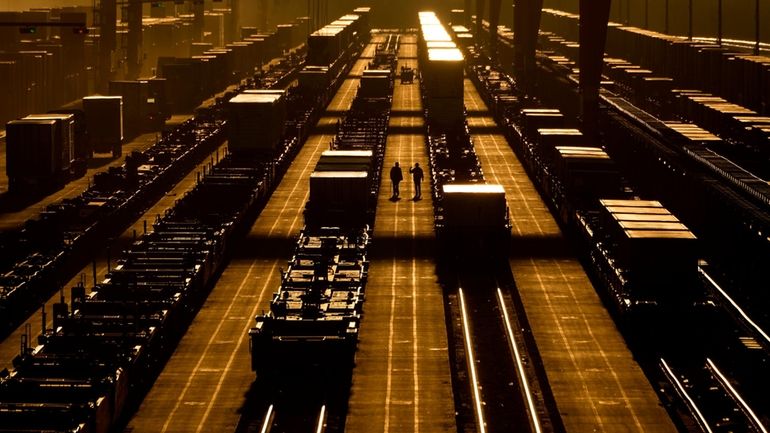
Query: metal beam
x=494, y=20
x=594, y=17
x=468, y=12
x=198, y=12
x=108, y=18
x=235, y=18
x=134, y=49
x=480, y=18
x=526, y=25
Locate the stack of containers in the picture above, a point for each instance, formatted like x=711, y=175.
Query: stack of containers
x=285, y=33
x=656, y=252
x=256, y=121
x=741, y=78
x=324, y=46
x=364, y=13
x=352, y=21
x=587, y=172
x=442, y=74
x=184, y=78
x=533, y=119
x=339, y=194
x=375, y=83
x=549, y=138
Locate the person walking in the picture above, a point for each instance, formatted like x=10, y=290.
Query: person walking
x=417, y=176
x=396, y=176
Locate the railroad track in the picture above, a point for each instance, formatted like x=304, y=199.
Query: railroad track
x=287, y=420
x=716, y=377
x=499, y=383
x=711, y=399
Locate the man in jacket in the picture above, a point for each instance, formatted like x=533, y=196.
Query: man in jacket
x=417, y=176
x=396, y=176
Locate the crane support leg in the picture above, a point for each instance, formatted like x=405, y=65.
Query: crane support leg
x=526, y=25
x=594, y=17
x=480, y=18
x=494, y=20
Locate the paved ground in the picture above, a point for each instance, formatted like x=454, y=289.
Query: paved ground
x=595, y=381
x=402, y=382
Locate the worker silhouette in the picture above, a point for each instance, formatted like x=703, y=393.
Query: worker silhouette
x=396, y=176
x=417, y=176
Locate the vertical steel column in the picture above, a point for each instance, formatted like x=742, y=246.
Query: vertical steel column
x=594, y=17
x=719, y=22
x=108, y=19
x=628, y=12
x=235, y=17
x=756, y=27
x=494, y=20
x=479, y=19
x=468, y=13
x=198, y=10
x=134, y=51
x=263, y=9
x=526, y=22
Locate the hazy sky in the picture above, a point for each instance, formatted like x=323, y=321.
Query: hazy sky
x=8, y=5
x=738, y=14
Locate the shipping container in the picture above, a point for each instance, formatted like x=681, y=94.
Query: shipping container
x=33, y=154
x=65, y=128
x=472, y=208
x=256, y=121
x=104, y=120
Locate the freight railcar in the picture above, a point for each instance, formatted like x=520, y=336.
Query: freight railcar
x=468, y=210
x=89, y=370
x=642, y=258
x=311, y=332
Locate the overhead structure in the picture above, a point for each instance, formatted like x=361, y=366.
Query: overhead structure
x=198, y=13
x=494, y=21
x=134, y=49
x=526, y=24
x=480, y=4
x=594, y=17
x=106, y=12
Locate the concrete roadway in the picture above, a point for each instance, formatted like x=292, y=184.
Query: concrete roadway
x=596, y=383
x=402, y=382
